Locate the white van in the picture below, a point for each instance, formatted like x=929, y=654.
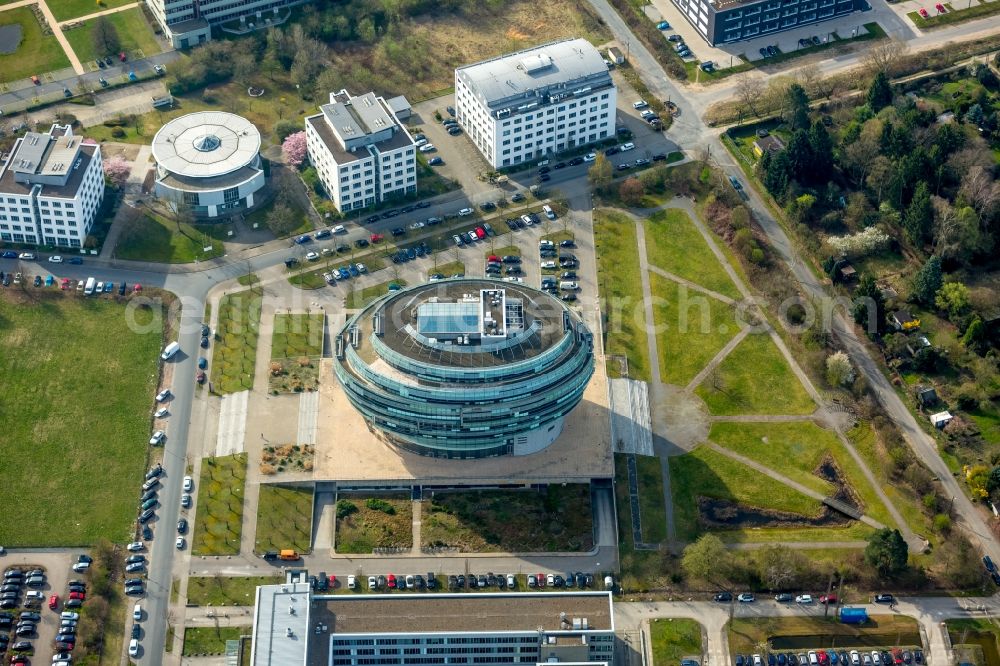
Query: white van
x=137, y=613
x=170, y=350
x=569, y=286
x=89, y=289
x=549, y=213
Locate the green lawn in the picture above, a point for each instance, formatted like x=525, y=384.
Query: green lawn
x=755, y=379
x=376, y=521
x=153, y=238
x=76, y=416
x=674, y=244
x=620, y=285
x=671, y=639
x=259, y=217
x=137, y=38
x=652, y=510
x=640, y=569
x=36, y=54
x=796, y=450
x=450, y=268
x=220, y=506
x=690, y=329
x=226, y=590
x=704, y=472
x=296, y=346
x=555, y=519
x=284, y=518
x=211, y=640
x=964, y=13
x=235, y=353
x=883, y=631
x=358, y=298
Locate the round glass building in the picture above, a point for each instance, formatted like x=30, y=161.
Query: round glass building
x=465, y=368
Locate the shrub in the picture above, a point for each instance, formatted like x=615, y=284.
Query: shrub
x=118, y=133
x=346, y=508
x=376, y=504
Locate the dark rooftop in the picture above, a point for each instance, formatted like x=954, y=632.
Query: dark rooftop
x=345, y=614
x=231, y=179
x=68, y=191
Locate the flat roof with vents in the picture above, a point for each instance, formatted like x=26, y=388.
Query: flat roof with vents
x=564, y=66
x=206, y=144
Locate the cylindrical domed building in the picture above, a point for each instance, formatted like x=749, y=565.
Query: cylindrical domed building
x=208, y=163
x=465, y=368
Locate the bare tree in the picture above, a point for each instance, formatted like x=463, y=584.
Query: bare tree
x=884, y=57
x=749, y=90
x=981, y=190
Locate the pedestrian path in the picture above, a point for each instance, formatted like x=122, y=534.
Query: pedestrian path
x=56, y=30
x=308, y=411
x=232, y=423
x=417, y=512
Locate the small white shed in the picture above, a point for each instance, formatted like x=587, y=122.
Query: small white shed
x=941, y=419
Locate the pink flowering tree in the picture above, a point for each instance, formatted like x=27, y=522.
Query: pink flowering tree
x=294, y=149
x=116, y=170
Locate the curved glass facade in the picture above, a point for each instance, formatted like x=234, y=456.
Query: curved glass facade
x=469, y=411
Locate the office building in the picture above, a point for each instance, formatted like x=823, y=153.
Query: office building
x=188, y=23
x=51, y=187
x=360, y=150
x=727, y=21
x=522, y=106
x=208, y=163
x=465, y=368
x=294, y=627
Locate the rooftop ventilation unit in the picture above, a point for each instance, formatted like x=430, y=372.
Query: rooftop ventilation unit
x=536, y=63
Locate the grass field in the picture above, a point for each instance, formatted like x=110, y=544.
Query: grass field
x=620, y=284
x=64, y=10
x=652, y=510
x=450, y=268
x=296, y=346
x=284, y=518
x=671, y=639
x=386, y=522
x=137, y=38
x=226, y=590
x=259, y=217
x=882, y=631
x=358, y=298
x=151, y=237
x=704, y=472
x=236, y=342
x=674, y=244
x=210, y=640
x=952, y=16
x=558, y=519
x=690, y=329
x=37, y=53
x=755, y=379
x=796, y=449
x=640, y=569
x=76, y=416
x=220, y=506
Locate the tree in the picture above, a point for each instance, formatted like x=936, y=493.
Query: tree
x=927, y=282
x=631, y=191
x=919, y=218
x=104, y=36
x=887, y=552
x=800, y=157
x=116, y=170
x=797, y=107
x=822, y=152
x=750, y=90
x=283, y=128
x=777, y=173
x=707, y=559
x=879, y=93
x=780, y=568
x=838, y=369
x=953, y=298
x=975, y=336
x=883, y=57
x=869, y=306
x=281, y=219
x=293, y=149
x=958, y=234
x=600, y=172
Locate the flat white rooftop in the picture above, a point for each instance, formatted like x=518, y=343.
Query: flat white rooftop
x=206, y=144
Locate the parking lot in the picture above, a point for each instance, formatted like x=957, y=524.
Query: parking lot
x=58, y=572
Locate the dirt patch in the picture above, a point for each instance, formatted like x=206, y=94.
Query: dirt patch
x=721, y=513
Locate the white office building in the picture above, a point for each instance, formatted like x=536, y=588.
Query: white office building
x=188, y=23
x=51, y=188
x=294, y=627
x=208, y=163
x=360, y=150
x=522, y=106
